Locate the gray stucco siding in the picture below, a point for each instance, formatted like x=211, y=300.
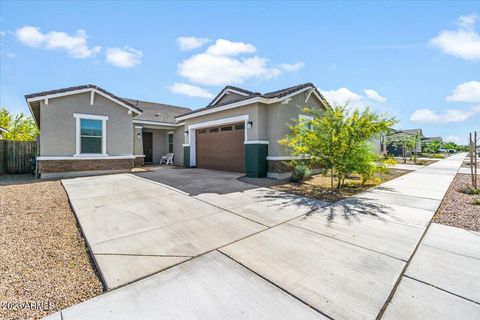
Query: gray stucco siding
x=178, y=141
x=257, y=132
x=229, y=97
x=58, y=126
x=281, y=116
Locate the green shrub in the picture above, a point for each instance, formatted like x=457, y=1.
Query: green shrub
x=469, y=189
x=438, y=156
x=476, y=202
x=390, y=161
x=300, y=173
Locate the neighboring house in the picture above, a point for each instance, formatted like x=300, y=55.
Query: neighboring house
x=88, y=130
x=2, y=131
x=397, y=150
x=427, y=140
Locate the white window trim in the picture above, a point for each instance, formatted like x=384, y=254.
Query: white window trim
x=193, y=127
x=257, y=142
x=78, y=117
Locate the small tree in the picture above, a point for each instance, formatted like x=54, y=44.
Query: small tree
x=338, y=140
x=432, y=146
x=20, y=127
x=408, y=142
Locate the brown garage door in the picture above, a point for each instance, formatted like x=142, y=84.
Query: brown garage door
x=221, y=148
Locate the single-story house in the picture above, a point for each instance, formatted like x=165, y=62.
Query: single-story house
x=397, y=150
x=88, y=130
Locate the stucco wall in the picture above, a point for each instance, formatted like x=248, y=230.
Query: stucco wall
x=178, y=140
x=257, y=132
x=280, y=116
x=159, y=143
x=58, y=124
x=229, y=97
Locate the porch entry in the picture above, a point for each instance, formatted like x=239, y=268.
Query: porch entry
x=147, y=147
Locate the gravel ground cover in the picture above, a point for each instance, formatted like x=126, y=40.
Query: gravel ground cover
x=44, y=265
x=457, y=208
x=318, y=186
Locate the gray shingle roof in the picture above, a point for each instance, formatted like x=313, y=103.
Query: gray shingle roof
x=159, y=112
x=251, y=94
x=86, y=86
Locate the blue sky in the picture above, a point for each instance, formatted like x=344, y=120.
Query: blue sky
x=419, y=61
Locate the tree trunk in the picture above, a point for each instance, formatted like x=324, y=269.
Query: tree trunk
x=331, y=179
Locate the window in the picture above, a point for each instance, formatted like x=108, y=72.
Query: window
x=213, y=130
x=226, y=129
x=240, y=126
x=170, y=143
x=90, y=136
x=306, y=120
x=202, y=131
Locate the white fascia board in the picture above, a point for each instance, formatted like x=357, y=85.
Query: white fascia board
x=155, y=123
x=241, y=103
x=224, y=92
x=212, y=123
x=225, y=107
x=69, y=93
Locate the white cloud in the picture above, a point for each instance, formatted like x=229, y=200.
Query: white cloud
x=462, y=43
x=373, y=95
x=76, y=45
x=124, y=58
x=190, y=43
x=292, y=66
x=190, y=90
x=219, y=65
x=466, y=92
x=468, y=21
x=450, y=115
x=229, y=48
x=453, y=138
x=344, y=96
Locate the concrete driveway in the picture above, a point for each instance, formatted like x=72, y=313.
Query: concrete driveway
x=137, y=225
x=366, y=257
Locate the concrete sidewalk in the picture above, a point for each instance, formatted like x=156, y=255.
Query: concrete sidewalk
x=342, y=261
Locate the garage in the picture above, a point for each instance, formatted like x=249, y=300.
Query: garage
x=221, y=147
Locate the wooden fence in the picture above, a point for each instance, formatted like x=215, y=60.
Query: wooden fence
x=17, y=156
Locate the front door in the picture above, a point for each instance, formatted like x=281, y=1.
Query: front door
x=147, y=147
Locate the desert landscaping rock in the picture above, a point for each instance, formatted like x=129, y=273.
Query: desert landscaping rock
x=44, y=258
x=457, y=208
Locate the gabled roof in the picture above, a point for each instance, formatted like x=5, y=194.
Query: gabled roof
x=58, y=92
x=267, y=97
x=233, y=89
x=158, y=112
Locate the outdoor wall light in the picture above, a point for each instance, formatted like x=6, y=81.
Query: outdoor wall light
x=186, y=132
x=249, y=125
x=139, y=135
